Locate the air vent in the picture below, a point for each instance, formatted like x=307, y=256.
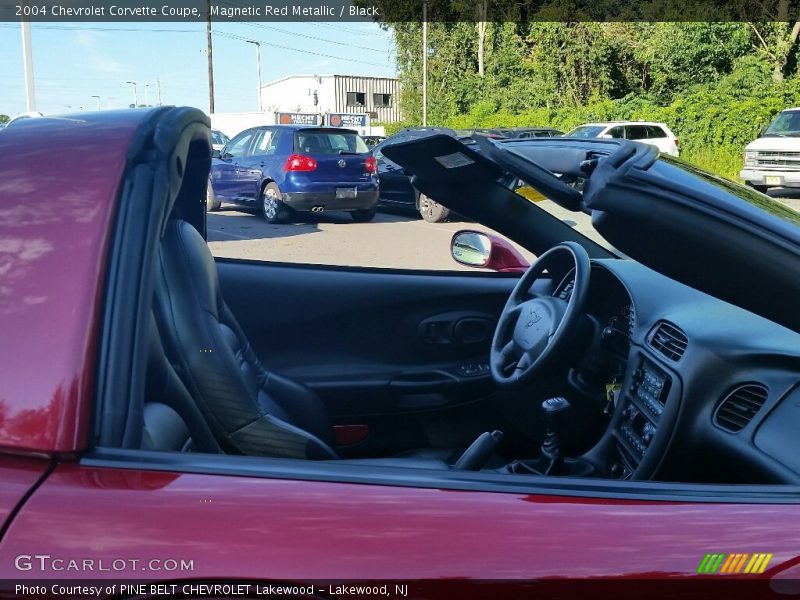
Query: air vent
x=668, y=340
x=740, y=406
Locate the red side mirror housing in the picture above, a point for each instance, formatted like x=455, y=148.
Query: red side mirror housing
x=485, y=251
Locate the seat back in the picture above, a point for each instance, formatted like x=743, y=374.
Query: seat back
x=249, y=410
x=172, y=421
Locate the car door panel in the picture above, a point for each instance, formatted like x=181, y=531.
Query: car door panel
x=376, y=344
x=338, y=325
x=227, y=173
x=223, y=178
x=19, y=476
x=249, y=170
x=276, y=530
x=395, y=183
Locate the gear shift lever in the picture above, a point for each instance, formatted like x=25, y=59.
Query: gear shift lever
x=555, y=417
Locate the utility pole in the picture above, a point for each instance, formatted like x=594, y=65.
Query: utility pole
x=27, y=65
x=210, y=59
x=158, y=87
x=146, y=95
x=258, y=68
x=424, y=63
x=135, y=94
x=482, y=10
x=98, y=101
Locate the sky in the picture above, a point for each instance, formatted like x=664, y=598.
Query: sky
x=74, y=61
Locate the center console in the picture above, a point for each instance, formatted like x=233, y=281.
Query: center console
x=642, y=405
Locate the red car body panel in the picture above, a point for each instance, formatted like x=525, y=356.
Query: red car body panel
x=293, y=530
x=55, y=217
x=18, y=475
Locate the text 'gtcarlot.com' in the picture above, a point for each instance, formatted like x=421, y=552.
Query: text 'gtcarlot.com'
x=47, y=563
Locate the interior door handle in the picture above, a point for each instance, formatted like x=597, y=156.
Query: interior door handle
x=470, y=330
x=457, y=328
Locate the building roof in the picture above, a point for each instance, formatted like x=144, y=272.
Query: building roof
x=329, y=76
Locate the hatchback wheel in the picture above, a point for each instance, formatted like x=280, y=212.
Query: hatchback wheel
x=272, y=207
x=431, y=211
x=212, y=204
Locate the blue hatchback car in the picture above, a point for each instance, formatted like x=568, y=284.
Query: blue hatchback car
x=279, y=169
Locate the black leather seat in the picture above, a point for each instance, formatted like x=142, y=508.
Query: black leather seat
x=171, y=419
x=249, y=410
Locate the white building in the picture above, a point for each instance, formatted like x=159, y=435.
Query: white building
x=376, y=97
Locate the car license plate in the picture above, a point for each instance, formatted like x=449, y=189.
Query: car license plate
x=773, y=180
x=345, y=193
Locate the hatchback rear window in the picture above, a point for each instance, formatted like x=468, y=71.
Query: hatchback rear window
x=329, y=142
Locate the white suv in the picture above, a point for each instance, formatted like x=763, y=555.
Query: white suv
x=773, y=160
x=655, y=134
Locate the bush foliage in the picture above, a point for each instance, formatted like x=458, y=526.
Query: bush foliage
x=715, y=84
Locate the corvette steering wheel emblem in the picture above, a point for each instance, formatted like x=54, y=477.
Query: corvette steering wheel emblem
x=342, y=163
x=533, y=318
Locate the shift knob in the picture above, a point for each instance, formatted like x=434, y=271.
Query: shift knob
x=555, y=418
x=555, y=413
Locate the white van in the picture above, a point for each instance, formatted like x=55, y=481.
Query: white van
x=773, y=160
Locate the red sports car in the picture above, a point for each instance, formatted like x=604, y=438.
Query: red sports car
x=611, y=423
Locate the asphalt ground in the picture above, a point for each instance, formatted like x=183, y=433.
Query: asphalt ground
x=396, y=239
x=392, y=240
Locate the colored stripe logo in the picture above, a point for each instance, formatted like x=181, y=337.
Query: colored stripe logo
x=729, y=564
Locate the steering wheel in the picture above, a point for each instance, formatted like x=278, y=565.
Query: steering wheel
x=532, y=332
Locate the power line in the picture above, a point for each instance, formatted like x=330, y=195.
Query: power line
x=345, y=29
x=244, y=39
x=311, y=37
x=217, y=32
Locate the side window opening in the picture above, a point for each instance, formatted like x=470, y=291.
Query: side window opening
x=268, y=142
x=617, y=132
x=239, y=146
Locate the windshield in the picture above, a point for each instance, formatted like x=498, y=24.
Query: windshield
x=784, y=208
x=785, y=124
x=329, y=142
x=586, y=131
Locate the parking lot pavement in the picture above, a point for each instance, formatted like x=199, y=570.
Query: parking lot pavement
x=391, y=240
x=397, y=240
x=788, y=196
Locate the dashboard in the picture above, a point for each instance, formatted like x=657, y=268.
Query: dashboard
x=705, y=391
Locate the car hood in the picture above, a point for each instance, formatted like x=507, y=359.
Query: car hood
x=775, y=143
x=699, y=229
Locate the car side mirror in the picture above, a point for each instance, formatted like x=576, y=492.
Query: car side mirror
x=216, y=154
x=481, y=250
x=763, y=131
x=606, y=136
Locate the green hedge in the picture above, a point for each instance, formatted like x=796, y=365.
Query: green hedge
x=713, y=122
